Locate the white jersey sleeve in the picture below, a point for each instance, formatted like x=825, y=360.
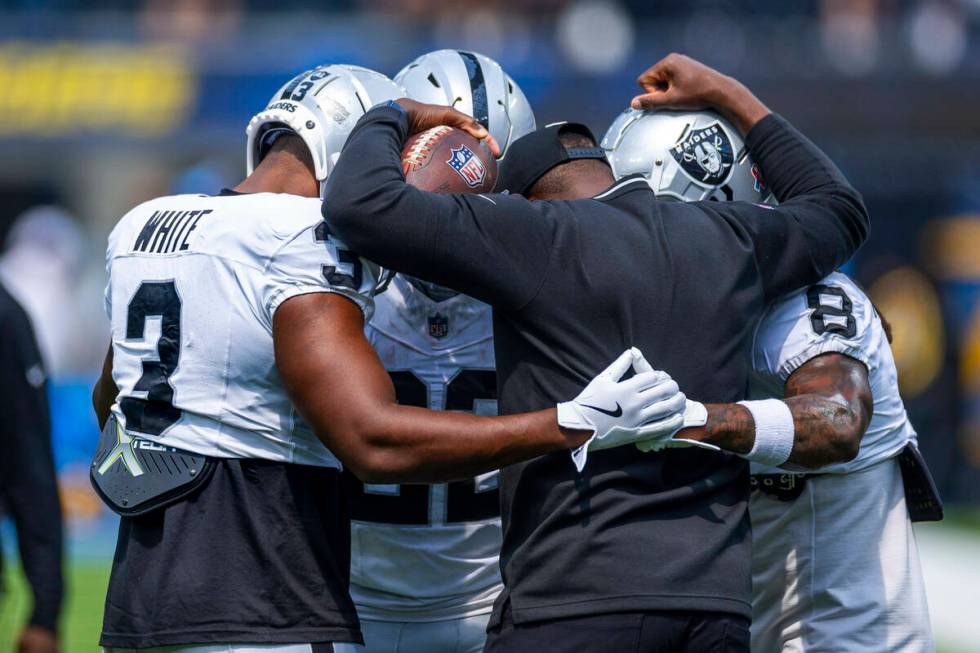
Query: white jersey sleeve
x=313, y=260
x=830, y=316
x=833, y=316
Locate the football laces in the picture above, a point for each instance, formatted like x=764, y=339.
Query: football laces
x=422, y=146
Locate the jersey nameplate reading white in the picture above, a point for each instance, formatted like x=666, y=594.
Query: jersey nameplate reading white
x=167, y=232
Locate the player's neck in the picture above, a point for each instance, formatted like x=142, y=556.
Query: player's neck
x=284, y=176
x=579, y=188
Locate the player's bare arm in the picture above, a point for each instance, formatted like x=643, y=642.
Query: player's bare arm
x=679, y=82
x=337, y=382
x=830, y=401
x=105, y=391
x=340, y=386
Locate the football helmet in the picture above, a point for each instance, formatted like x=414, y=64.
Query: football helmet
x=685, y=155
x=474, y=84
x=321, y=106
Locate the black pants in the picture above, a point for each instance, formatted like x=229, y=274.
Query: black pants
x=634, y=632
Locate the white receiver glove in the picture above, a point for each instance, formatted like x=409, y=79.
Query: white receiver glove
x=695, y=414
x=646, y=406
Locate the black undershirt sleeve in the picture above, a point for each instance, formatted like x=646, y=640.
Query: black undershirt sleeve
x=821, y=219
x=27, y=477
x=494, y=247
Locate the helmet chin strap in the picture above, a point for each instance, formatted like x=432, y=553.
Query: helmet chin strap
x=433, y=291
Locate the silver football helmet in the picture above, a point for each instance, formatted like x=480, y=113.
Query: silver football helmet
x=321, y=106
x=685, y=155
x=474, y=84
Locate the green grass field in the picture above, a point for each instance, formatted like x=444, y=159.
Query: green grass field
x=82, y=618
x=87, y=581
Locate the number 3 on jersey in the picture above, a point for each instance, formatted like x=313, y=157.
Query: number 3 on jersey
x=345, y=256
x=415, y=504
x=156, y=413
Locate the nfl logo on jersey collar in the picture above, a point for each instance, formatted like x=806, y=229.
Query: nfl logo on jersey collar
x=406, y=314
x=467, y=165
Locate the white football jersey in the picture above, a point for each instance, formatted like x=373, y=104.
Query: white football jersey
x=429, y=552
x=833, y=315
x=194, y=281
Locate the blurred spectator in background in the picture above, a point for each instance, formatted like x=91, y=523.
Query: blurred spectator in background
x=28, y=489
x=42, y=267
x=190, y=20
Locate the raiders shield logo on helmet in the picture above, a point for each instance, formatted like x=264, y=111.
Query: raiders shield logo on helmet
x=705, y=155
x=438, y=326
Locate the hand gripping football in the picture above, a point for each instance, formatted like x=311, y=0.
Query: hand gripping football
x=448, y=160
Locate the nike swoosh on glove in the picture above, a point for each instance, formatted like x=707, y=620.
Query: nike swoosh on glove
x=646, y=406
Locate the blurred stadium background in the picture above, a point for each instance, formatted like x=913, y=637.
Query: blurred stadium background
x=108, y=103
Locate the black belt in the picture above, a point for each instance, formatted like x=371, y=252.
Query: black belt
x=921, y=496
x=785, y=486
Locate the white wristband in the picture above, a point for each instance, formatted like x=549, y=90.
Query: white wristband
x=774, y=431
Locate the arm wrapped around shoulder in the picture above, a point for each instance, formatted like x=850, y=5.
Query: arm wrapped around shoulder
x=444, y=238
x=820, y=222
x=797, y=171
x=362, y=198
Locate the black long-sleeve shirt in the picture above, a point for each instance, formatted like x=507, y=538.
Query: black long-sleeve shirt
x=574, y=283
x=28, y=488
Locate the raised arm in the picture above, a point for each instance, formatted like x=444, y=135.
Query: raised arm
x=492, y=247
x=341, y=388
x=821, y=219
x=829, y=400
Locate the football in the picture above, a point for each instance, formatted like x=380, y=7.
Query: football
x=448, y=160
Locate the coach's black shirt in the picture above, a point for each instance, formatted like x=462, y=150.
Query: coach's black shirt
x=573, y=284
x=28, y=486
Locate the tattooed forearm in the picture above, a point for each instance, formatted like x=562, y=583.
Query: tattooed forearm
x=830, y=400
x=729, y=426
